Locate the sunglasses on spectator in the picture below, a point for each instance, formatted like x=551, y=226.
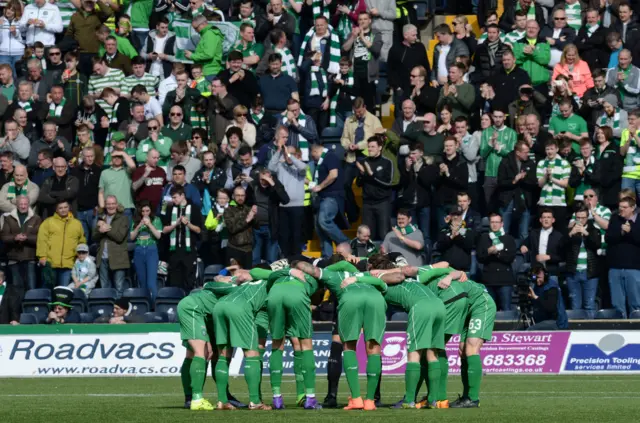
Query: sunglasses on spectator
x=176, y=114
x=153, y=128
x=196, y=137
x=241, y=115
x=589, y=196
x=54, y=53
x=559, y=19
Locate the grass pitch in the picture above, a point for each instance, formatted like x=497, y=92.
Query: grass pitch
x=517, y=399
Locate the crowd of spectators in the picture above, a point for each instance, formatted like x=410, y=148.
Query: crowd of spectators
x=151, y=138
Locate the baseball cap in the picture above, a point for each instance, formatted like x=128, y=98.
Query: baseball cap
x=82, y=248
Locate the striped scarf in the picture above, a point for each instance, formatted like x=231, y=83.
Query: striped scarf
x=333, y=106
x=56, y=111
x=174, y=234
x=2, y=288
x=197, y=120
x=14, y=192
x=251, y=20
x=604, y=213
x=315, y=85
x=334, y=50
x=495, y=239
x=108, y=147
x=612, y=121
x=582, y=258
x=288, y=62
x=345, y=26
x=316, y=173
x=579, y=195
x=26, y=105
x=552, y=194
x=319, y=9
x=303, y=144
x=407, y=230
x=256, y=117
x=632, y=159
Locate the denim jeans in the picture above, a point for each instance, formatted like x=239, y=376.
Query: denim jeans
x=88, y=220
x=523, y=220
x=105, y=277
x=326, y=227
x=629, y=183
x=63, y=277
x=625, y=289
x=264, y=240
x=11, y=61
x=422, y=218
x=145, y=261
x=141, y=36
x=502, y=296
x=582, y=292
x=23, y=274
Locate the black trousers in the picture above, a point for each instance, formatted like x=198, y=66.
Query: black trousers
x=351, y=172
x=244, y=258
x=378, y=218
x=366, y=90
x=290, y=221
x=182, y=268
x=320, y=117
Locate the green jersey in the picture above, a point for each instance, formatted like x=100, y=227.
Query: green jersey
x=366, y=283
x=475, y=291
x=407, y=294
x=432, y=276
x=252, y=294
x=282, y=277
x=211, y=293
x=503, y=145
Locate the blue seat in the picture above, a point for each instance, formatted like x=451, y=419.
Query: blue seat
x=87, y=317
x=156, y=317
x=399, y=316
x=40, y=295
x=28, y=319
x=170, y=292
x=507, y=315
x=80, y=301
x=635, y=314
x=101, y=301
x=139, y=299
x=577, y=315
x=212, y=270
x=608, y=313
x=421, y=8
x=168, y=299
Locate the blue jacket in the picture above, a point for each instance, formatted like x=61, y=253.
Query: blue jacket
x=539, y=314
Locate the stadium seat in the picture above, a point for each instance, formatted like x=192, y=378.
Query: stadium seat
x=28, y=319
x=608, y=313
x=156, y=317
x=101, y=301
x=87, y=317
x=80, y=302
x=36, y=301
x=211, y=271
x=508, y=315
x=577, y=315
x=139, y=299
x=399, y=316
x=167, y=300
x=635, y=314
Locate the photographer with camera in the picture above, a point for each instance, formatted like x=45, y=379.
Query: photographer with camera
x=582, y=263
x=546, y=301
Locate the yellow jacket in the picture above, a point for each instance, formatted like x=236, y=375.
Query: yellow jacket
x=371, y=123
x=58, y=239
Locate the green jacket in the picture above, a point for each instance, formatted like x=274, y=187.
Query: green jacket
x=461, y=103
x=536, y=64
x=505, y=143
x=390, y=151
x=116, y=239
x=209, y=50
x=124, y=47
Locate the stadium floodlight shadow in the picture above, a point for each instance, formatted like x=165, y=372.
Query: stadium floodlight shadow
x=608, y=313
x=577, y=315
x=139, y=299
x=101, y=301
x=28, y=319
x=80, y=301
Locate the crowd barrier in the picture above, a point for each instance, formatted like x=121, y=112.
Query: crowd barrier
x=156, y=350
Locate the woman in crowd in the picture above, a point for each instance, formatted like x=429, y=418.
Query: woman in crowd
x=575, y=69
x=241, y=120
x=146, y=230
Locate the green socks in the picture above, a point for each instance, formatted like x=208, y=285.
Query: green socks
x=261, y=352
x=374, y=369
x=433, y=380
x=252, y=372
x=198, y=373
x=444, y=375
x=464, y=375
x=350, y=363
x=474, y=376
x=222, y=379
x=185, y=375
x=423, y=373
x=275, y=369
x=309, y=372
x=297, y=370
x=411, y=380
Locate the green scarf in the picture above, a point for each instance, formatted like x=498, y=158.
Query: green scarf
x=2, y=288
x=56, y=111
x=615, y=119
x=288, y=66
x=108, y=147
x=333, y=106
x=12, y=192
x=345, y=26
x=251, y=20
x=407, y=230
x=303, y=143
x=26, y=105
x=495, y=239
x=187, y=232
x=198, y=120
x=256, y=117
x=334, y=51
x=319, y=9
x=315, y=85
x=316, y=174
x=579, y=194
